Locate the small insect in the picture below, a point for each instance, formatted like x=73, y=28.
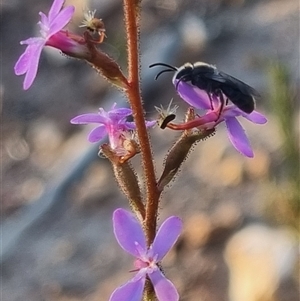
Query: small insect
x=214, y=82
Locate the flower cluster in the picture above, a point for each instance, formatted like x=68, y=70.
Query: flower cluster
x=130, y=236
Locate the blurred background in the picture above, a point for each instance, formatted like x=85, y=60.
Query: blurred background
x=241, y=215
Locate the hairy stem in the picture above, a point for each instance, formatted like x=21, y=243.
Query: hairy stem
x=132, y=12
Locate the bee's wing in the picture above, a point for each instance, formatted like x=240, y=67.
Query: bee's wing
x=235, y=83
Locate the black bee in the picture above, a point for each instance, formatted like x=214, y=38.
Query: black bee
x=208, y=78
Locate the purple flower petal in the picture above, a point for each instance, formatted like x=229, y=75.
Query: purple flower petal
x=150, y=124
x=128, y=232
x=43, y=24
x=61, y=20
x=88, y=118
x=130, y=291
x=130, y=125
x=194, y=96
x=166, y=236
x=238, y=137
x=28, y=62
x=33, y=65
x=256, y=117
x=97, y=134
x=120, y=112
x=164, y=288
x=23, y=62
x=55, y=8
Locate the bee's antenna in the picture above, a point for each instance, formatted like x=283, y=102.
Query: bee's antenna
x=171, y=68
x=163, y=71
x=164, y=65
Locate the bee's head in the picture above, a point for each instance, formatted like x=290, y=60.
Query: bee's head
x=184, y=73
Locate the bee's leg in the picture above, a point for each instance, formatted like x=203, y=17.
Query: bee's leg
x=222, y=101
x=211, y=100
x=209, y=93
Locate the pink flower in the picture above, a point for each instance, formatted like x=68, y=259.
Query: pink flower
x=199, y=99
x=49, y=26
x=131, y=238
x=112, y=123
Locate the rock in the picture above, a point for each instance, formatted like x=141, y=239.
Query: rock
x=259, y=258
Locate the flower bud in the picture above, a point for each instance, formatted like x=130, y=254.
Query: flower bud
x=105, y=64
x=127, y=181
x=178, y=153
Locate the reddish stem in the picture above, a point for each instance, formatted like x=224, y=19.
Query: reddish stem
x=132, y=11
